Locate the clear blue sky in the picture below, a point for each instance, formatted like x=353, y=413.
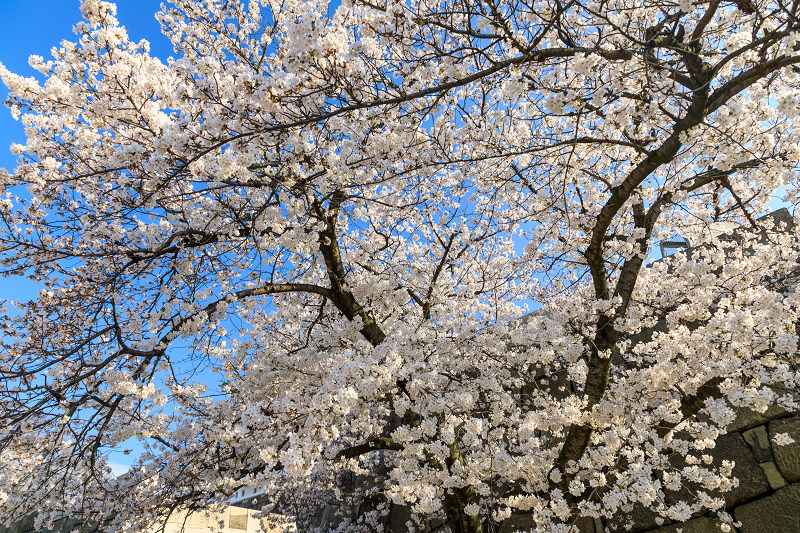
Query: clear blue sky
x=34, y=27
x=29, y=27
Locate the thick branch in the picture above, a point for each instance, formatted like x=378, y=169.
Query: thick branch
x=599, y=364
x=691, y=405
x=744, y=80
x=338, y=294
x=378, y=443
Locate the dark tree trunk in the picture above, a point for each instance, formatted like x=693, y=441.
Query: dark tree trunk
x=457, y=520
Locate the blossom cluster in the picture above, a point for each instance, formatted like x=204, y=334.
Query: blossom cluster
x=305, y=248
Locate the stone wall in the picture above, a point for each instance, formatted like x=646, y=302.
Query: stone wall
x=767, y=499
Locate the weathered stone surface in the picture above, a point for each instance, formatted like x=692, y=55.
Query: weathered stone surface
x=523, y=522
x=399, y=518
x=758, y=441
x=779, y=513
x=774, y=477
x=698, y=525
x=641, y=519
x=67, y=525
x=585, y=524
x=752, y=481
x=325, y=517
x=787, y=457
x=517, y=522
x=747, y=418
x=23, y=526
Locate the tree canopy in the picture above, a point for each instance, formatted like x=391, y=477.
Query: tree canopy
x=341, y=210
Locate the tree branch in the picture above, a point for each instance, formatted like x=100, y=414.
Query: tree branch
x=377, y=443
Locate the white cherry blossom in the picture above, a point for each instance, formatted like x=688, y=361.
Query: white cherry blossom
x=300, y=250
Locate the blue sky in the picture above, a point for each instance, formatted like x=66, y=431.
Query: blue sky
x=34, y=27
x=29, y=27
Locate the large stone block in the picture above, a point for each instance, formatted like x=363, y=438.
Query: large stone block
x=698, y=525
x=516, y=523
x=752, y=481
x=787, y=457
x=399, y=519
x=640, y=519
x=774, y=477
x=521, y=522
x=747, y=418
x=23, y=526
x=779, y=513
x=758, y=441
x=70, y=525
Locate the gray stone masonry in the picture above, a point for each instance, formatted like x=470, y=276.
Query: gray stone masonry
x=778, y=513
x=774, y=477
x=752, y=481
x=787, y=457
x=637, y=520
x=758, y=441
x=774, y=510
x=698, y=525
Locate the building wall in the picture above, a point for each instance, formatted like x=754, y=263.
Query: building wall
x=232, y=520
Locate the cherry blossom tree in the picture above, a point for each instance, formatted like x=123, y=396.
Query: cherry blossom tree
x=323, y=205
